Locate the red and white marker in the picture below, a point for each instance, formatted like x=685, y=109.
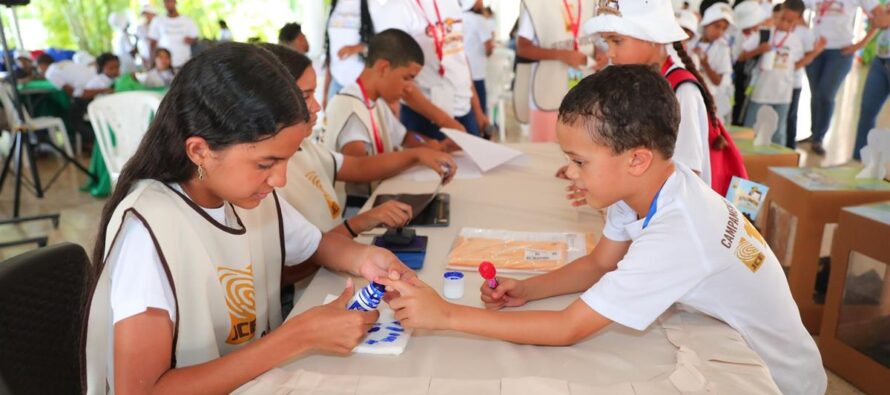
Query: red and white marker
x=488, y=272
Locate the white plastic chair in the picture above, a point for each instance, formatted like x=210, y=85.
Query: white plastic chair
x=498, y=78
x=54, y=125
x=119, y=121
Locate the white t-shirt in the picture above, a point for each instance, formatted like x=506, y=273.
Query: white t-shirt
x=720, y=59
x=808, y=41
x=775, y=83
x=699, y=251
x=477, y=31
x=66, y=72
x=99, y=81
x=833, y=19
x=142, y=43
x=171, y=34
x=453, y=92
x=155, y=78
x=692, y=147
x=343, y=30
x=138, y=279
x=355, y=130
x=883, y=47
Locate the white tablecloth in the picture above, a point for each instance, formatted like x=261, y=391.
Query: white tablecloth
x=683, y=353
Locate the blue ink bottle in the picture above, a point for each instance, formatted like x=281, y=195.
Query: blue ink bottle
x=367, y=298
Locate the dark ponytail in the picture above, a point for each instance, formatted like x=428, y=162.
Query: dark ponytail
x=230, y=94
x=706, y=94
x=365, y=31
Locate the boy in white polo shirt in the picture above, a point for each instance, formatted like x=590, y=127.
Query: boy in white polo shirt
x=668, y=239
x=445, y=98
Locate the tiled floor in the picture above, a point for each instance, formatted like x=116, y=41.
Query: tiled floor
x=80, y=211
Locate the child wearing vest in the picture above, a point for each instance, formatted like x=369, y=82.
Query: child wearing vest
x=359, y=121
x=314, y=170
x=639, y=33
x=444, y=96
x=549, y=34
x=668, y=239
x=834, y=20
x=192, y=242
x=780, y=58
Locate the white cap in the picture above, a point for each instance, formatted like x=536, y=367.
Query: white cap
x=651, y=20
x=687, y=20
x=716, y=12
x=749, y=14
x=83, y=58
x=147, y=8
x=21, y=53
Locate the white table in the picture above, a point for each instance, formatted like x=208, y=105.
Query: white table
x=526, y=196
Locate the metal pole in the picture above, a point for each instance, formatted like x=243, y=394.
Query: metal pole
x=18, y=30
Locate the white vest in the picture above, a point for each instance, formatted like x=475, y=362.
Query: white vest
x=205, y=264
x=311, y=174
x=550, y=82
x=342, y=107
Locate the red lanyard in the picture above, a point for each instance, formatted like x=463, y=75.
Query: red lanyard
x=667, y=66
x=781, y=43
x=823, y=9
x=378, y=142
x=438, y=34
x=574, y=22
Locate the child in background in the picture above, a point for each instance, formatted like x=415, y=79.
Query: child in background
x=780, y=58
x=689, y=22
x=479, y=44
x=809, y=45
x=715, y=57
x=680, y=252
x=161, y=75
x=108, y=67
x=749, y=16
x=359, y=122
x=644, y=33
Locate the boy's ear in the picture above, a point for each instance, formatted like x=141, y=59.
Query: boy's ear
x=640, y=161
x=381, y=66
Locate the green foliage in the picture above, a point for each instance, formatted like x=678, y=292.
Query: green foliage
x=81, y=24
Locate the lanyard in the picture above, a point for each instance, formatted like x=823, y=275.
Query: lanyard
x=378, y=142
x=652, y=208
x=438, y=34
x=667, y=66
x=574, y=21
x=823, y=9
x=781, y=43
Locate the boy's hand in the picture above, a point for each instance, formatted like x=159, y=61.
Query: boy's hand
x=418, y=306
x=509, y=293
x=332, y=328
x=442, y=163
x=850, y=49
x=820, y=44
x=378, y=263
x=574, y=59
x=391, y=214
x=764, y=48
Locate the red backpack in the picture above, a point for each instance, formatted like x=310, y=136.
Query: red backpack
x=726, y=162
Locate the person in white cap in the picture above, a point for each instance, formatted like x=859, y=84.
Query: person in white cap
x=445, y=97
x=143, y=43
x=72, y=76
x=833, y=19
x=715, y=57
x=641, y=33
x=749, y=17
x=780, y=59
x=121, y=44
x=549, y=33
x=688, y=20
x=175, y=32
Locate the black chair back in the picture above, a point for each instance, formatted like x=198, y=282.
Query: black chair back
x=42, y=297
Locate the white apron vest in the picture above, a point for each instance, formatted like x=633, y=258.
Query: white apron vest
x=550, y=79
x=342, y=107
x=212, y=269
x=311, y=174
x=521, y=85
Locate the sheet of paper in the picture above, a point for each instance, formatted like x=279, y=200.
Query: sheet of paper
x=486, y=154
x=386, y=337
x=466, y=170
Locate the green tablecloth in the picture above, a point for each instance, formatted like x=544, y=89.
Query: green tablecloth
x=101, y=185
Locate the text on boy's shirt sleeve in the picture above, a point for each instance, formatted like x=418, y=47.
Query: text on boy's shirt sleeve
x=660, y=267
